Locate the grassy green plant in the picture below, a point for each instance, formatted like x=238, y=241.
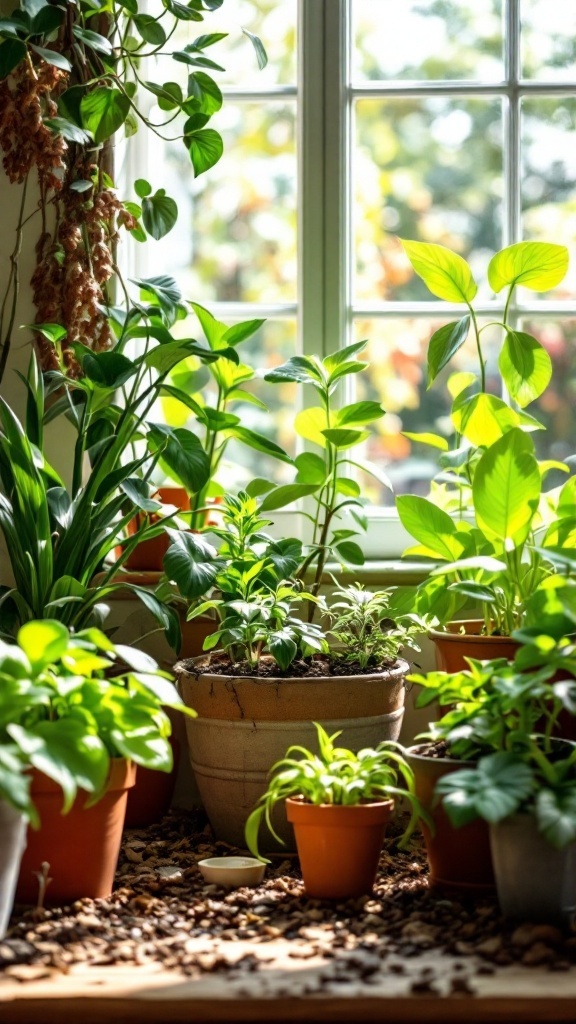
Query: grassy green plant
x=68, y=703
x=335, y=776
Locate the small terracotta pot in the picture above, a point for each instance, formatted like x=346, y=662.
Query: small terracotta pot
x=460, y=860
x=339, y=847
x=149, y=554
x=194, y=634
x=453, y=646
x=150, y=797
x=82, y=846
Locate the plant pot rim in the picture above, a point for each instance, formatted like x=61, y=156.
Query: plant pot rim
x=398, y=670
x=299, y=801
x=121, y=775
x=422, y=758
x=453, y=636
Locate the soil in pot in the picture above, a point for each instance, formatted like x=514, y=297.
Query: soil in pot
x=339, y=847
x=246, y=723
x=459, y=858
x=82, y=846
x=463, y=639
x=535, y=880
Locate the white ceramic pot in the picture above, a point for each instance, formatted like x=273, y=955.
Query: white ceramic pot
x=12, y=844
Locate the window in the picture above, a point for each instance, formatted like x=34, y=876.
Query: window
x=440, y=120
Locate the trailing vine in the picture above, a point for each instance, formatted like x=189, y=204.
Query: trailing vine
x=71, y=74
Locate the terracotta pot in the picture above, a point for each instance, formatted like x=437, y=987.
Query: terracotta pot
x=461, y=639
x=149, y=554
x=245, y=724
x=460, y=860
x=150, y=797
x=194, y=634
x=339, y=847
x=82, y=846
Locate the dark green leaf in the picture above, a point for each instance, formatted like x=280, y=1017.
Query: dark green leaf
x=108, y=369
x=58, y=60
x=72, y=133
x=444, y=343
x=286, y=495
x=12, y=51
x=351, y=552
x=205, y=148
x=159, y=214
x=104, y=111
x=191, y=563
x=150, y=29
x=94, y=40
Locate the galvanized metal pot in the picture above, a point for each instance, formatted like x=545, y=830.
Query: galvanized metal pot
x=535, y=880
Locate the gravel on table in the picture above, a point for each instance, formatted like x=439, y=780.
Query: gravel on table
x=162, y=911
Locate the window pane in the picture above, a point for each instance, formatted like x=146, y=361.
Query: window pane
x=235, y=239
x=548, y=39
x=556, y=408
x=274, y=21
x=427, y=169
x=549, y=175
x=397, y=353
x=439, y=39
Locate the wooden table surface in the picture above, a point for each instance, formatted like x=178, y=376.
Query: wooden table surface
x=288, y=987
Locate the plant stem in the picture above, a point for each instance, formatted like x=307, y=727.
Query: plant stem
x=14, y=284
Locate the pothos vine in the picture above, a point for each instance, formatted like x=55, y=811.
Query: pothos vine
x=70, y=76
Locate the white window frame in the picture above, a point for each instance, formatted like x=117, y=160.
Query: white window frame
x=325, y=95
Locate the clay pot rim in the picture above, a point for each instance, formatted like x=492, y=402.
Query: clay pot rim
x=422, y=759
x=300, y=801
x=372, y=813
x=398, y=670
x=121, y=775
x=449, y=636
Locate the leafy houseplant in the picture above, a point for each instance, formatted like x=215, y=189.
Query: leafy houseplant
x=71, y=76
x=339, y=803
x=324, y=476
x=529, y=801
x=209, y=392
x=267, y=670
x=493, y=707
x=492, y=471
x=79, y=712
x=59, y=535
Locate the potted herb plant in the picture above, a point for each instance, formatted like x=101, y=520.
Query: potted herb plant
x=484, y=537
x=493, y=706
x=339, y=803
x=529, y=800
x=269, y=672
x=80, y=713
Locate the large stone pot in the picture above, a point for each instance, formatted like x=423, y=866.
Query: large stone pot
x=245, y=724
